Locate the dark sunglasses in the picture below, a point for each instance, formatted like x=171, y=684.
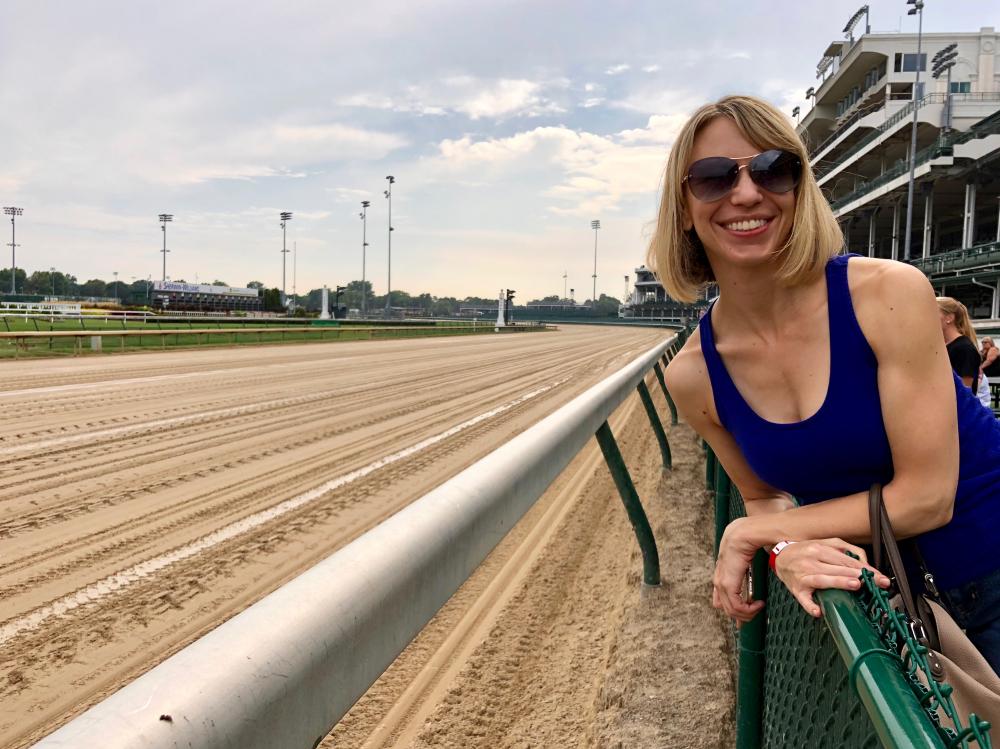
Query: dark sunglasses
x=713, y=178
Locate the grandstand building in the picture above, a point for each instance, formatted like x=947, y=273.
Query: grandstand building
x=172, y=296
x=858, y=135
x=649, y=300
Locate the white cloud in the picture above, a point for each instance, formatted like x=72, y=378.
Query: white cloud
x=661, y=128
x=651, y=69
x=504, y=98
x=350, y=194
x=618, y=69
x=577, y=172
x=474, y=97
x=593, y=101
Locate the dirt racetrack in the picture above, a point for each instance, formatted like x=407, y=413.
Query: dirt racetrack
x=144, y=499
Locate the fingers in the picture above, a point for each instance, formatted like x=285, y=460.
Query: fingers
x=805, y=599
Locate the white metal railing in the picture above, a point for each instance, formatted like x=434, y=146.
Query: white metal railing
x=283, y=672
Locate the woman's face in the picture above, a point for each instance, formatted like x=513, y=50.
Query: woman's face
x=750, y=224
x=947, y=321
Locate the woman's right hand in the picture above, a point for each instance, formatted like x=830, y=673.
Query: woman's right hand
x=807, y=566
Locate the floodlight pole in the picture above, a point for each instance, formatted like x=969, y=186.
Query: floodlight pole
x=595, y=225
x=364, y=253
x=13, y=212
x=285, y=216
x=918, y=10
x=564, y=285
x=388, y=287
x=164, y=219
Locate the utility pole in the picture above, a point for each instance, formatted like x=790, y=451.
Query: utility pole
x=285, y=216
x=364, y=252
x=595, y=225
x=13, y=212
x=918, y=11
x=165, y=218
x=388, y=287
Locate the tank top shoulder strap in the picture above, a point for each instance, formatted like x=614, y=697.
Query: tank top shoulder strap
x=847, y=340
x=727, y=397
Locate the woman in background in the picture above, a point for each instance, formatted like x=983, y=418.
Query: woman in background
x=960, y=341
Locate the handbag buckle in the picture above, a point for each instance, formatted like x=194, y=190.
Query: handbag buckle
x=930, y=586
x=920, y=636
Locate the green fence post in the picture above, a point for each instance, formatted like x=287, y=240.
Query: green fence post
x=709, y=467
x=654, y=421
x=722, y=488
x=630, y=498
x=750, y=674
x=666, y=394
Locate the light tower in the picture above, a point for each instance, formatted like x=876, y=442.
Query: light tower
x=564, y=285
x=388, y=286
x=286, y=216
x=165, y=218
x=364, y=252
x=595, y=225
x=13, y=212
x=918, y=11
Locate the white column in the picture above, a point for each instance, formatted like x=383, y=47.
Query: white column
x=895, y=230
x=928, y=219
x=998, y=219
x=995, y=310
x=969, y=215
x=324, y=309
x=500, y=321
x=871, y=231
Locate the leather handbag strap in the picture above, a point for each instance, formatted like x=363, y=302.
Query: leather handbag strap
x=884, y=540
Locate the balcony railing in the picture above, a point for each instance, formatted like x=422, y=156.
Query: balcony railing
x=943, y=146
x=955, y=260
x=903, y=113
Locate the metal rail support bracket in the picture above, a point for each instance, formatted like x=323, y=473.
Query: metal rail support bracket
x=654, y=422
x=630, y=498
x=666, y=394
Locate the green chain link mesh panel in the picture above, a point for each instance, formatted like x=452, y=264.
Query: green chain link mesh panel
x=807, y=700
x=801, y=659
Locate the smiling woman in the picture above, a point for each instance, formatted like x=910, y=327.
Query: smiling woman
x=805, y=373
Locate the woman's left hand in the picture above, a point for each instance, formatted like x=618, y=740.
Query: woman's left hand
x=736, y=550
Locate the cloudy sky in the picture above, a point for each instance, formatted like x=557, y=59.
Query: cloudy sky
x=508, y=125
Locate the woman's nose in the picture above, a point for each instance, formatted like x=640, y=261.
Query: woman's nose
x=745, y=191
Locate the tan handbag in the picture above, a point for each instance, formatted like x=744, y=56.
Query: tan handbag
x=952, y=656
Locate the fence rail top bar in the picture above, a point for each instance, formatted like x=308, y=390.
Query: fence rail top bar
x=284, y=671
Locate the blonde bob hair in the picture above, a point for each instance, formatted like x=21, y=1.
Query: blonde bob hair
x=678, y=256
x=950, y=306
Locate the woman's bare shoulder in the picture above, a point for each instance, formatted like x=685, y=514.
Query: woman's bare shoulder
x=886, y=292
x=687, y=373
x=871, y=276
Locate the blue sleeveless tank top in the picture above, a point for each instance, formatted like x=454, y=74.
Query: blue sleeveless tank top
x=843, y=448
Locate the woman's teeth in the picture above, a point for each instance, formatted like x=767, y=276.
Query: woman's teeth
x=746, y=225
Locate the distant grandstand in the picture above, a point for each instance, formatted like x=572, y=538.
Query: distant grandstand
x=173, y=296
x=649, y=300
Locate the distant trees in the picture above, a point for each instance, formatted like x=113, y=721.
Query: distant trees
x=46, y=282
x=93, y=287
x=272, y=300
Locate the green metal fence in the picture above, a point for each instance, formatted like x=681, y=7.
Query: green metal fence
x=837, y=681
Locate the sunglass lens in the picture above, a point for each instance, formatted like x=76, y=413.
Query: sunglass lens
x=776, y=171
x=710, y=179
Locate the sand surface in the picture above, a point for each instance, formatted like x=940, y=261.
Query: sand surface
x=146, y=498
